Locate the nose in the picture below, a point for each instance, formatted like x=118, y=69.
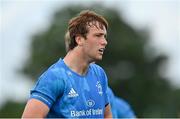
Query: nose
x=104, y=41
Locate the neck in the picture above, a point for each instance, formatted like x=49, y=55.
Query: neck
x=76, y=62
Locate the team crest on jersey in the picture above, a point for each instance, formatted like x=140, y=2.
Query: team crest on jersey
x=72, y=93
x=90, y=103
x=99, y=87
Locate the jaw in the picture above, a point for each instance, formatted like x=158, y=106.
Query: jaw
x=93, y=55
x=98, y=57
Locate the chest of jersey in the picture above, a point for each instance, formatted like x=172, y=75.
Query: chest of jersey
x=83, y=97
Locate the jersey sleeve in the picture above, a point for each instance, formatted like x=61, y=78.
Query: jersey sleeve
x=48, y=87
x=105, y=88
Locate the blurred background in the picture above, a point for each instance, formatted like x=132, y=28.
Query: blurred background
x=142, y=59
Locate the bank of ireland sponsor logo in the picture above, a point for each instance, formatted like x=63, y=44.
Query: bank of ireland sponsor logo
x=90, y=103
x=89, y=112
x=72, y=93
x=99, y=87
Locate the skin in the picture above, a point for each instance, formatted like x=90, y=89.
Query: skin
x=78, y=59
x=35, y=109
x=87, y=50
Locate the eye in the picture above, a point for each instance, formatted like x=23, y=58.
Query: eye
x=101, y=35
x=98, y=35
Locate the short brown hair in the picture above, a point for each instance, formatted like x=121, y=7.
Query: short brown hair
x=78, y=25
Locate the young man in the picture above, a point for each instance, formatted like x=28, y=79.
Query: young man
x=75, y=87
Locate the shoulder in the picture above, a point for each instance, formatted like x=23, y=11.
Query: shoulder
x=53, y=76
x=121, y=102
x=96, y=68
x=50, y=83
x=125, y=111
x=55, y=71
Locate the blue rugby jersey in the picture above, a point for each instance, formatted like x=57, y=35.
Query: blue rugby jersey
x=69, y=94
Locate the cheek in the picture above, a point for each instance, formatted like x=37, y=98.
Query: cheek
x=90, y=49
x=91, y=45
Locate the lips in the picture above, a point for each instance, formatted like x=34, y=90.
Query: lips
x=101, y=50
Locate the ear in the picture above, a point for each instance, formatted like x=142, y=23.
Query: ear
x=79, y=40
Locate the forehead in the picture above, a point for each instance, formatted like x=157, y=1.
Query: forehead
x=94, y=27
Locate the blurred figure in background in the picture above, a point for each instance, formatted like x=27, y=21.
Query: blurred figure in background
x=119, y=107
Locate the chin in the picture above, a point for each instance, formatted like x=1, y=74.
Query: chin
x=98, y=59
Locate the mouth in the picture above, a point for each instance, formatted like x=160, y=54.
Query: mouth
x=101, y=50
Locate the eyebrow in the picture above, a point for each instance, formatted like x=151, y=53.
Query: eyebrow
x=103, y=34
